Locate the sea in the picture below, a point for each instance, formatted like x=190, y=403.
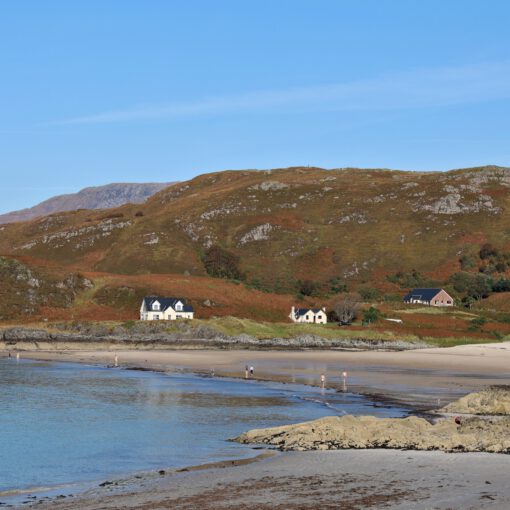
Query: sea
x=66, y=424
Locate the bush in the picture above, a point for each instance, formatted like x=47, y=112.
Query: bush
x=501, y=286
x=467, y=261
x=477, y=286
x=221, y=263
x=336, y=285
x=139, y=214
x=487, y=251
x=369, y=293
x=411, y=280
x=479, y=321
x=308, y=287
x=371, y=315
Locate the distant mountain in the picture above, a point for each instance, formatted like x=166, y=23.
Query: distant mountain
x=98, y=197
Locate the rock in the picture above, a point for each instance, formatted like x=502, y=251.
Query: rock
x=333, y=433
x=24, y=334
x=494, y=400
x=269, y=186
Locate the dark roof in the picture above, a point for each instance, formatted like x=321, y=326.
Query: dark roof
x=422, y=294
x=303, y=311
x=166, y=302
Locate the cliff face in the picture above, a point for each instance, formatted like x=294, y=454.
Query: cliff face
x=100, y=197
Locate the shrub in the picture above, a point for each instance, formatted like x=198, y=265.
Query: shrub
x=221, y=263
x=308, y=287
x=139, y=214
x=477, y=286
x=411, y=280
x=370, y=315
x=369, y=293
x=479, y=321
x=336, y=285
x=487, y=251
x=467, y=261
x=501, y=286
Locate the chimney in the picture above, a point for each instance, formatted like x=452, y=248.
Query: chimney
x=324, y=309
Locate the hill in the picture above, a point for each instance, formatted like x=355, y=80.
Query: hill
x=98, y=197
x=277, y=233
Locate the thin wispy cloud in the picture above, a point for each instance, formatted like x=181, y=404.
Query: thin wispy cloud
x=416, y=88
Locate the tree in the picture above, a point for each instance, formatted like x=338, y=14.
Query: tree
x=477, y=286
x=307, y=287
x=487, y=251
x=347, y=308
x=221, y=263
x=370, y=315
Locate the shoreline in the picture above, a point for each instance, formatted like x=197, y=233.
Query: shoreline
x=372, y=373
x=314, y=480
x=420, y=379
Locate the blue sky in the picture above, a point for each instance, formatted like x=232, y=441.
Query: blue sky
x=98, y=91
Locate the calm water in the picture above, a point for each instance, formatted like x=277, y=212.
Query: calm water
x=63, y=423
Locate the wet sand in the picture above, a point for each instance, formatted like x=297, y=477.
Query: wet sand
x=346, y=480
x=422, y=379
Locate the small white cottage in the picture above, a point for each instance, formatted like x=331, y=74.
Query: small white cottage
x=156, y=308
x=310, y=315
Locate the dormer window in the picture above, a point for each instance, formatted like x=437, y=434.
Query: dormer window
x=178, y=307
x=156, y=306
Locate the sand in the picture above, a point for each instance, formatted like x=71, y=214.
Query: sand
x=346, y=479
x=424, y=378
x=340, y=480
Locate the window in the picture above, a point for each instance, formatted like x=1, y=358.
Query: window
x=155, y=306
x=156, y=317
x=178, y=307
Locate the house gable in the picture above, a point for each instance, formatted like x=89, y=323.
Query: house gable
x=434, y=297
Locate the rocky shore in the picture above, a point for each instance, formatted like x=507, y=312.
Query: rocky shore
x=147, y=337
x=494, y=400
x=448, y=434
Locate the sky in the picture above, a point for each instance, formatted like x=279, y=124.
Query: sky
x=99, y=91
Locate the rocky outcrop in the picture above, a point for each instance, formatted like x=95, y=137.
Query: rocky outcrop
x=494, y=400
x=333, y=433
x=148, y=335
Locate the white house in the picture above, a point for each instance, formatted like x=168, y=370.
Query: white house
x=431, y=297
x=313, y=315
x=156, y=308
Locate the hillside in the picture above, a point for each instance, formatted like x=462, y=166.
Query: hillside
x=280, y=232
x=99, y=197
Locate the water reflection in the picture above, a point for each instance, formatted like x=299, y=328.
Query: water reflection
x=64, y=422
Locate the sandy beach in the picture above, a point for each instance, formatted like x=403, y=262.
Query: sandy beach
x=422, y=378
x=345, y=479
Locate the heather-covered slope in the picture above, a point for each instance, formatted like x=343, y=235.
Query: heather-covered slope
x=286, y=225
x=99, y=197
